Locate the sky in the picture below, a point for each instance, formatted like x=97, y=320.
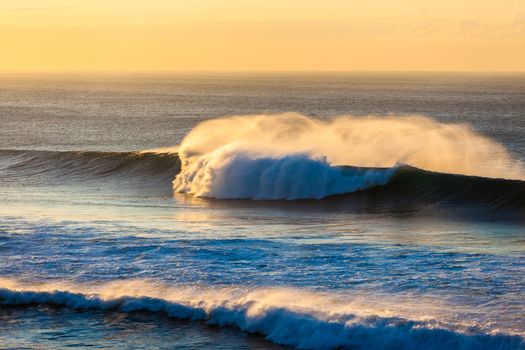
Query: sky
x=257, y=35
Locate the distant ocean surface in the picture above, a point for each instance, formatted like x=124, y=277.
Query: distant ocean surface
x=332, y=211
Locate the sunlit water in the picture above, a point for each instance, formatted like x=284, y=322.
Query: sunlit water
x=97, y=250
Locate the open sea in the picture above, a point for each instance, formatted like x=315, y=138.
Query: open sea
x=262, y=211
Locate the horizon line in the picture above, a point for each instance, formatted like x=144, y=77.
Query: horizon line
x=249, y=71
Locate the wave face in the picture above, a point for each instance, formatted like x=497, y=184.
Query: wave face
x=415, y=187
x=146, y=171
x=291, y=156
x=300, y=319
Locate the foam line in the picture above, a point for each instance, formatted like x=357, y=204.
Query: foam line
x=279, y=315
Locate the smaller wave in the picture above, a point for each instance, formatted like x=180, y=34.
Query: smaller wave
x=283, y=316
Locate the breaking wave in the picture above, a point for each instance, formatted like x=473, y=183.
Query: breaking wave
x=394, y=162
x=300, y=319
x=290, y=177
x=290, y=156
x=243, y=176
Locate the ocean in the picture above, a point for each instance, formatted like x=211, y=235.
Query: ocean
x=262, y=211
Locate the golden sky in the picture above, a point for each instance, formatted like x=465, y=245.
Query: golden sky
x=180, y=35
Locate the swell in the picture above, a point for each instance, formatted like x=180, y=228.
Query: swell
x=266, y=312
x=400, y=187
x=45, y=166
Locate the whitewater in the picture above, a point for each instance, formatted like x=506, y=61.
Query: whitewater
x=285, y=316
x=196, y=212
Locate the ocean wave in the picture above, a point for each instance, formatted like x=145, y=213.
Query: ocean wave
x=294, y=176
x=299, y=319
x=291, y=156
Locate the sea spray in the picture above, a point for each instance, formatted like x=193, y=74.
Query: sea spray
x=291, y=156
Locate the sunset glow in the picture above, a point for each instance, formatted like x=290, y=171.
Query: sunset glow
x=157, y=35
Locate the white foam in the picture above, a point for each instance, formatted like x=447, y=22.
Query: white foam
x=297, y=318
x=297, y=176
